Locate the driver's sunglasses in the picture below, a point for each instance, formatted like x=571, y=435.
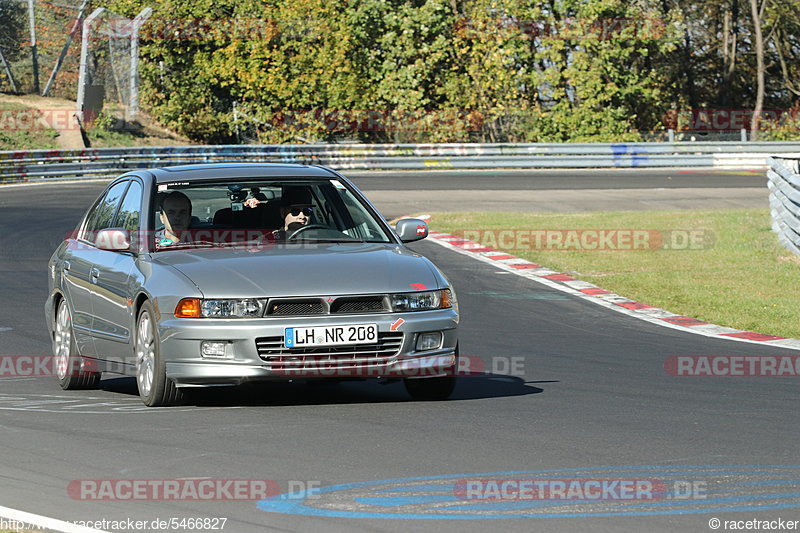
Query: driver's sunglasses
x=295, y=211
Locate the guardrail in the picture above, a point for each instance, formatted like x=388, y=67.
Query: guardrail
x=784, y=200
x=35, y=165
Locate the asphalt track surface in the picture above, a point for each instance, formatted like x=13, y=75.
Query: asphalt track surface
x=588, y=399
x=572, y=179
x=399, y=193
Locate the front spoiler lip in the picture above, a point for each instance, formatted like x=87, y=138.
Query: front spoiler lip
x=209, y=373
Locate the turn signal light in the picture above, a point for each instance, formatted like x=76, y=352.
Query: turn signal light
x=188, y=308
x=447, y=299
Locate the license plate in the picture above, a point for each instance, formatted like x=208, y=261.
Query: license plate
x=330, y=335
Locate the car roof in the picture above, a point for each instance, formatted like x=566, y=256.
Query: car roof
x=201, y=172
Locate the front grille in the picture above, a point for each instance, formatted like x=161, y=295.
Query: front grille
x=304, y=306
x=364, y=304
x=355, y=356
x=296, y=307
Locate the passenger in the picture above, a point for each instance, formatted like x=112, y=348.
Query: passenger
x=256, y=197
x=176, y=214
x=295, y=210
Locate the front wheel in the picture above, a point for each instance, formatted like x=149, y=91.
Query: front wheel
x=155, y=388
x=70, y=368
x=433, y=389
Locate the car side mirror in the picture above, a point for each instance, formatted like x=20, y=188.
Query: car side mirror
x=411, y=229
x=113, y=240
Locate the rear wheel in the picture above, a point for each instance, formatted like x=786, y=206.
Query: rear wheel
x=433, y=389
x=155, y=388
x=70, y=366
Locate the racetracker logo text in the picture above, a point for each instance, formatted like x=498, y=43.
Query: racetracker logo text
x=568, y=29
x=37, y=120
x=561, y=489
x=42, y=366
x=596, y=240
x=733, y=365
x=244, y=239
x=377, y=120
x=291, y=366
x=726, y=119
x=175, y=489
x=644, y=490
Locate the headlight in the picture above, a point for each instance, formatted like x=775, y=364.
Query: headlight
x=239, y=308
x=421, y=301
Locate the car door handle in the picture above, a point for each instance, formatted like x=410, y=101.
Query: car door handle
x=94, y=273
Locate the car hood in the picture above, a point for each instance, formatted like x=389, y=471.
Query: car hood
x=310, y=269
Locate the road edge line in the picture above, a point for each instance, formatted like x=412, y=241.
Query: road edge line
x=582, y=289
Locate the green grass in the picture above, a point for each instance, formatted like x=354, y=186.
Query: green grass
x=101, y=138
x=110, y=130
x=34, y=139
x=745, y=280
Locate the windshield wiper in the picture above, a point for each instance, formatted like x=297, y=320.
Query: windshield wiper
x=324, y=240
x=193, y=244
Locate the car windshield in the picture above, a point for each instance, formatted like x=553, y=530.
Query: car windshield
x=230, y=212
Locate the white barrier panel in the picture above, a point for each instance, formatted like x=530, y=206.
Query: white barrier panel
x=784, y=200
x=37, y=165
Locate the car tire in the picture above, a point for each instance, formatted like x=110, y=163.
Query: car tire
x=155, y=388
x=433, y=389
x=69, y=365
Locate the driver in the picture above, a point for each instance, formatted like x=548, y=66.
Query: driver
x=295, y=210
x=176, y=214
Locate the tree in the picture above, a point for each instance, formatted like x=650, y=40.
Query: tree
x=757, y=14
x=459, y=70
x=12, y=27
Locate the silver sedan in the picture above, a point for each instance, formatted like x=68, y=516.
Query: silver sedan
x=219, y=274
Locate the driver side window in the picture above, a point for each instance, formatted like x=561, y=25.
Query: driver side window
x=102, y=214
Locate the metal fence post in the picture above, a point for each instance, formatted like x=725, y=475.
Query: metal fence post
x=10, y=74
x=34, y=54
x=133, y=104
x=84, y=65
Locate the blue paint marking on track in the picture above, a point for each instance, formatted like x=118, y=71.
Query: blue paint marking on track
x=727, y=488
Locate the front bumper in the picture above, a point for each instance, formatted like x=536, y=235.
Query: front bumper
x=181, y=349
